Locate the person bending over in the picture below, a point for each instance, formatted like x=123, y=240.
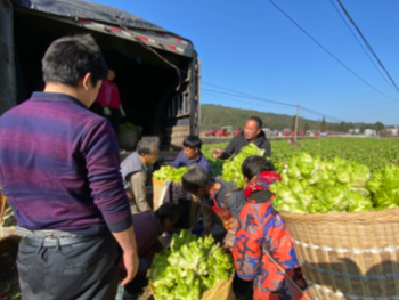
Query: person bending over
x=148, y=226
x=217, y=197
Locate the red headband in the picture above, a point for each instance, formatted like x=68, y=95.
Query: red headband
x=261, y=182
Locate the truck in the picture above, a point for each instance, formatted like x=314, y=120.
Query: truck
x=157, y=71
x=212, y=132
x=223, y=132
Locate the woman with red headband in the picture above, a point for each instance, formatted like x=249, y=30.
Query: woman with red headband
x=263, y=246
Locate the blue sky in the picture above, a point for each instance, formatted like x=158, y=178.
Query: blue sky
x=251, y=47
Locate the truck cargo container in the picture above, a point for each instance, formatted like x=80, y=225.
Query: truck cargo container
x=162, y=96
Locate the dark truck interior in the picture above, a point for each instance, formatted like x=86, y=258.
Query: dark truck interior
x=147, y=84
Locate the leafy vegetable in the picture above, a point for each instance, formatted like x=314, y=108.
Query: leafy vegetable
x=191, y=267
x=232, y=169
x=310, y=185
x=169, y=173
x=127, y=126
x=368, y=167
x=384, y=187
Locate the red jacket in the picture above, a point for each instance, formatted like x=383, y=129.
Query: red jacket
x=108, y=95
x=260, y=231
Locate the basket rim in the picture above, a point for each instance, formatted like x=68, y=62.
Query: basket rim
x=161, y=182
x=387, y=215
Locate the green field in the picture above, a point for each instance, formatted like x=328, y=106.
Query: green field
x=374, y=153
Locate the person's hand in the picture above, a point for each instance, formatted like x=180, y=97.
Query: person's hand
x=131, y=262
x=217, y=153
x=226, y=248
x=122, y=112
x=107, y=112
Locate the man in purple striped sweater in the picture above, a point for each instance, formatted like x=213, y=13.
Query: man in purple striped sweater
x=59, y=169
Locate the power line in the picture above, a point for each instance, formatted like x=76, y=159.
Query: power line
x=249, y=96
x=246, y=96
x=367, y=43
x=361, y=45
x=222, y=88
x=240, y=101
x=263, y=99
x=303, y=108
x=328, y=52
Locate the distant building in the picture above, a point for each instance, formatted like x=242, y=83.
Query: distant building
x=310, y=132
x=356, y=130
x=391, y=126
x=370, y=132
x=393, y=129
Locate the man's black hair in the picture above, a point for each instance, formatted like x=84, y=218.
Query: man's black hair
x=253, y=165
x=195, y=179
x=168, y=210
x=70, y=58
x=257, y=120
x=193, y=141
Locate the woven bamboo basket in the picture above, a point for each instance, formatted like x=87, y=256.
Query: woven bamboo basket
x=221, y=291
x=348, y=255
x=159, y=191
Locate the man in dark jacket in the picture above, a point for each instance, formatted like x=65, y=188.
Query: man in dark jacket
x=252, y=133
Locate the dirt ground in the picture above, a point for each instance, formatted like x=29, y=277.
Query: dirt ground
x=143, y=292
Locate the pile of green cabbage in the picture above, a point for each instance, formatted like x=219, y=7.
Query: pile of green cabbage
x=190, y=268
x=127, y=126
x=169, y=173
x=232, y=171
x=384, y=187
x=310, y=185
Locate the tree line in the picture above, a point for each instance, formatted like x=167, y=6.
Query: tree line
x=219, y=116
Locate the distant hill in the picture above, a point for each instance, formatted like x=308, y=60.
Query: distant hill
x=219, y=116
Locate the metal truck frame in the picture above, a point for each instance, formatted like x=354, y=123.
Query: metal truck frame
x=158, y=72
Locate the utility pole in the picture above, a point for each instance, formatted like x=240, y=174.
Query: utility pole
x=199, y=74
x=296, y=122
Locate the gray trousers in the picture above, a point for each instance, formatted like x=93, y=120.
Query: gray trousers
x=81, y=270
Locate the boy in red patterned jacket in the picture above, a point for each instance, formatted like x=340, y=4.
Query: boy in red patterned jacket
x=262, y=235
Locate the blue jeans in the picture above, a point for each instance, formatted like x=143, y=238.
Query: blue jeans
x=127, y=292
x=123, y=294
x=83, y=270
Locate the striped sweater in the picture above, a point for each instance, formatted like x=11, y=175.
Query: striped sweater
x=59, y=167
